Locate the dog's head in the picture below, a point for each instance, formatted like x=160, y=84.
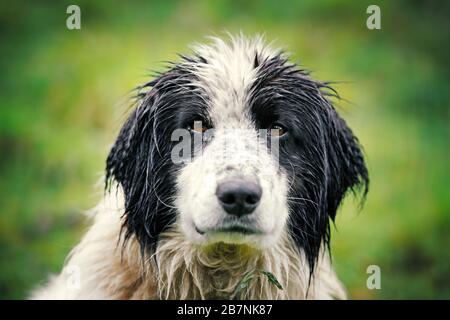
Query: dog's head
x=235, y=144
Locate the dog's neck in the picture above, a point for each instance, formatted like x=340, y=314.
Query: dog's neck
x=187, y=271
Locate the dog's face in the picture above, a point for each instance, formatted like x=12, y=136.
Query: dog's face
x=263, y=152
x=234, y=190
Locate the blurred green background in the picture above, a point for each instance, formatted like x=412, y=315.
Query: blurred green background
x=64, y=96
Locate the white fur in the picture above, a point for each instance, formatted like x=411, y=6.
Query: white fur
x=108, y=271
x=235, y=151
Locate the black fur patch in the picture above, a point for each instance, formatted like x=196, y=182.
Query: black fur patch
x=140, y=159
x=319, y=153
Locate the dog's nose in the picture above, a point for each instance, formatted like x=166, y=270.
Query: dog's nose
x=239, y=196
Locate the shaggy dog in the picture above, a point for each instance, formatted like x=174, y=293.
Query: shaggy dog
x=232, y=164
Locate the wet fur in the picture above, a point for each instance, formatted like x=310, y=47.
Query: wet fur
x=135, y=249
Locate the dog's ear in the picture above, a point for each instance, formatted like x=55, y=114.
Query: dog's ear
x=346, y=166
x=119, y=163
x=140, y=160
x=135, y=160
x=127, y=162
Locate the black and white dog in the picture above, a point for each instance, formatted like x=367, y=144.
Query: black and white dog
x=234, y=162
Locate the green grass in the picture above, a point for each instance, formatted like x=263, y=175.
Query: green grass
x=64, y=96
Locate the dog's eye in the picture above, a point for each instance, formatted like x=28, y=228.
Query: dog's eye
x=277, y=130
x=197, y=127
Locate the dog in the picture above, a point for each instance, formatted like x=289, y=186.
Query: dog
x=249, y=192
